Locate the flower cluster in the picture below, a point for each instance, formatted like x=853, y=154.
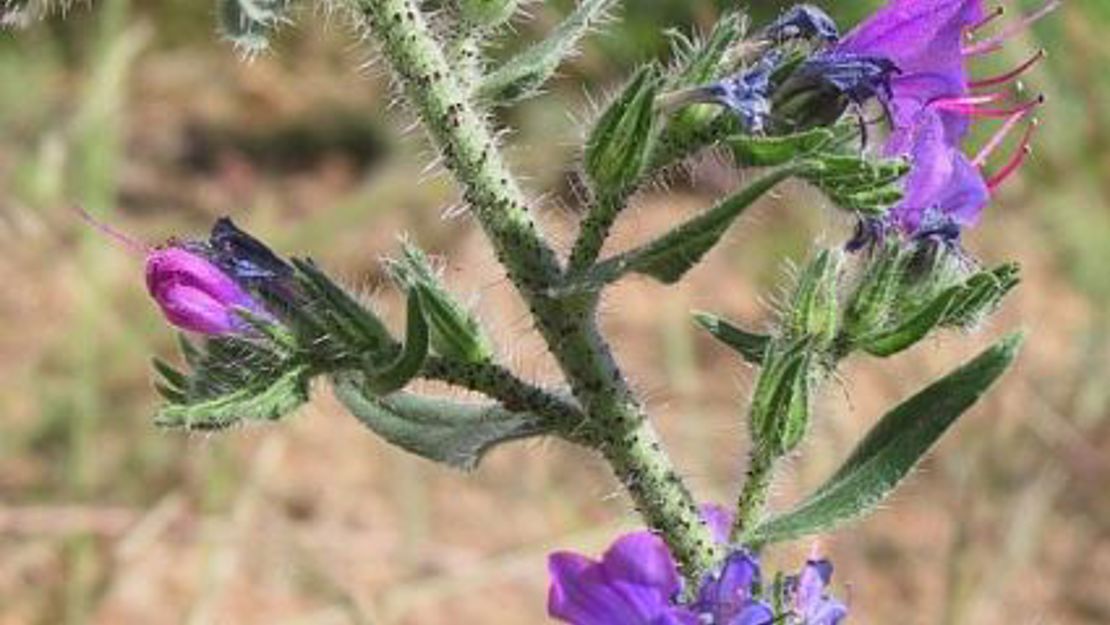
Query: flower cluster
x=636, y=582
x=912, y=57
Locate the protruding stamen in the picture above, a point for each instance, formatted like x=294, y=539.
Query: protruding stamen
x=959, y=105
x=1008, y=76
x=996, y=42
x=1023, y=151
x=997, y=138
x=130, y=243
x=998, y=12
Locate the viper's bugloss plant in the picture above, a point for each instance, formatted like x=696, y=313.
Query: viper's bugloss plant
x=876, y=119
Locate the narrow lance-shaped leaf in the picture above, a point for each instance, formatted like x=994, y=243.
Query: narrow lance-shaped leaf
x=763, y=151
x=670, y=256
x=752, y=347
x=442, y=430
x=890, y=450
x=524, y=74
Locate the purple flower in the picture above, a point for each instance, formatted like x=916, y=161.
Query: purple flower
x=194, y=294
x=932, y=103
x=727, y=597
x=636, y=582
x=806, y=593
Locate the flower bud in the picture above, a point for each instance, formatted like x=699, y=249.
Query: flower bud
x=196, y=295
x=622, y=139
x=814, y=310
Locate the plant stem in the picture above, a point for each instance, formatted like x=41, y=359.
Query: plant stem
x=752, y=502
x=616, y=424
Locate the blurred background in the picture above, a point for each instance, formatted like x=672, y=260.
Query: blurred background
x=136, y=110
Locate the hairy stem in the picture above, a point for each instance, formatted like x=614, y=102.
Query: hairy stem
x=616, y=424
x=752, y=503
x=595, y=230
x=498, y=383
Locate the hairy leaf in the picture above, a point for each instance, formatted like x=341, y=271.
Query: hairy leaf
x=455, y=332
x=890, y=450
x=524, y=74
x=670, y=256
x=442, y=430
x=263, y=401
x=752, y=347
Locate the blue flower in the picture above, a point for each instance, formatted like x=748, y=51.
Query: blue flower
x=746, y=93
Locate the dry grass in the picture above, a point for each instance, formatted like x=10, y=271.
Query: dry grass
x=103, y=519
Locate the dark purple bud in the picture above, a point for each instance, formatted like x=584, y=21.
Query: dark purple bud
x=803, y=21
x=856, y=76
x=196, y=295
x=244, y=256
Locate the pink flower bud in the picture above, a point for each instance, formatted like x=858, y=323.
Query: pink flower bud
x=194, y=294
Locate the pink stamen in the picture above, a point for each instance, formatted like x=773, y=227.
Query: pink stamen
x=997, y=139
x=1008, y=76
x=973, y=110
x=130, y=243
x=998, y=12
x=1023, y=151
x=996, y=42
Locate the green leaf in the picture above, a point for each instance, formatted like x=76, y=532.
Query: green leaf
x=174, y=378
x=455, y=332
x=751, y=347
x=981, y=294
x=524, y=74
x=454, y=433
x=408, y=362
x=618, y=147
x=344, y=316
x=914, y=328
x=890, y=450
x=670, y=256
x=260, y=402
x=762, y=151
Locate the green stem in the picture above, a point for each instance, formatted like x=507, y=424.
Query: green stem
x=594, y=231
x=616, y=423
x=752, y=503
